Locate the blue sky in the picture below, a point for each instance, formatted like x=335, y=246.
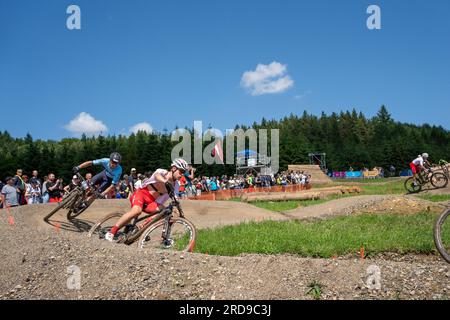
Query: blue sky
x=168, y=63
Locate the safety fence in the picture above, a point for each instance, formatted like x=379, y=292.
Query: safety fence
x=237, y=193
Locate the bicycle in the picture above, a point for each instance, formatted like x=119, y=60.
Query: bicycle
x=444, y=166
x=77, y=200
x=442, y=235
x=437, y=180
x=160, y=230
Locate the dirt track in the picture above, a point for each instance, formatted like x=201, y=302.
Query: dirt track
x=35, y=258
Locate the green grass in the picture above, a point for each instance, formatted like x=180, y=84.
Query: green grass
x=435, y=197
x=394, y=187
x=324, y=238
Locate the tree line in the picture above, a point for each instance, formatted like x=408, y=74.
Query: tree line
x=348, y=138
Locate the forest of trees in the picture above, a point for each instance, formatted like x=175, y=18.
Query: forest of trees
x=348, y=139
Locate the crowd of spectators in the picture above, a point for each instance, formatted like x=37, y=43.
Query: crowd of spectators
x=21, y=190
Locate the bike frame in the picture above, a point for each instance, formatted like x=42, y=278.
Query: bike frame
x=166, y=213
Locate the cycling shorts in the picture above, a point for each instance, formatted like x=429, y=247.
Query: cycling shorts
x=143, y=199
x=414, y=168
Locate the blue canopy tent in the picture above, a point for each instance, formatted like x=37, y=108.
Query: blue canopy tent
x=246, y=153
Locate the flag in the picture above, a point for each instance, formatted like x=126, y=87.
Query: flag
x=218, y=151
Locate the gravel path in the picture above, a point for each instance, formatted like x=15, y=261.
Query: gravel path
x=35, y=262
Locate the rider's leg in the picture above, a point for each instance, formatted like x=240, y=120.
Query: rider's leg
x=98, y=178
x=133, y=213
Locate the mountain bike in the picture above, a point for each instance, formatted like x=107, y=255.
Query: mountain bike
x=160, y=230
x=442, y=234
x=437, y=180
x=444, y=166
x=77, y=200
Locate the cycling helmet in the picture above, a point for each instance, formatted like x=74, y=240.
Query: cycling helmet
x=180, y=164
x=425, y=155
x=115, y=157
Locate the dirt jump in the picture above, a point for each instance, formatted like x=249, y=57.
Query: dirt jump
x=37, y=258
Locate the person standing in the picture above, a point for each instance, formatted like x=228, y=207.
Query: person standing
x=9, y=194
x=54, y=188
x=35, y=175
x=44, y=191
x=33, y=193
x=19, y=184
x=132, y=178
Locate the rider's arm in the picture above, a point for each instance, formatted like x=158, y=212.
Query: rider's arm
x=160, y=178
x=86, y=164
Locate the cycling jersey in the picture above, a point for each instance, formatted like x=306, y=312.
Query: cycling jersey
x=111, y=173
x=418, y=161
x=152, y=181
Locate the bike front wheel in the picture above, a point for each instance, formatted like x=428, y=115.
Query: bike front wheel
x=442, y=235
x=412, y=186
x=181, y=236
x=439, y=180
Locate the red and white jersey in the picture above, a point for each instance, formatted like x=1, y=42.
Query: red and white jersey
x=152, y=180
x=418, y=161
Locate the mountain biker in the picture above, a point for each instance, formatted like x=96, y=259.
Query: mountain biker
x=418, y=164
x=152, y=195
x=109, y=178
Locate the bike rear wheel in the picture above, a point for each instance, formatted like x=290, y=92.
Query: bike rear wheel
x=181, y=238
x=442, y=235
x=65, y=203
x=104, y=226
x=439, y=180
x=412, y=186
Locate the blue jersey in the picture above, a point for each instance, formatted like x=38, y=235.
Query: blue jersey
x=110, y=173
x=188, y=180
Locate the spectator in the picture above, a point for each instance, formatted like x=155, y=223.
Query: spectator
x=392, y=170
x=138, y=183
x=45, y=196
x=54, y=188
x=72, y=185
x=189, y=176
x=182, y=187
x=132, y=179
x=10, y=194
x=124, y=190
x=88, y=177
x=35, y=175
x=20, y=186
x=33, y=192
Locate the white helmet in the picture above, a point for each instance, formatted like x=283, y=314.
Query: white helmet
x=180, y=164
x=425, y=155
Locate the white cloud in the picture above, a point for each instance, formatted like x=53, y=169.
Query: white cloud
x=267, y=79
x=143, y=126
x=85, y=123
